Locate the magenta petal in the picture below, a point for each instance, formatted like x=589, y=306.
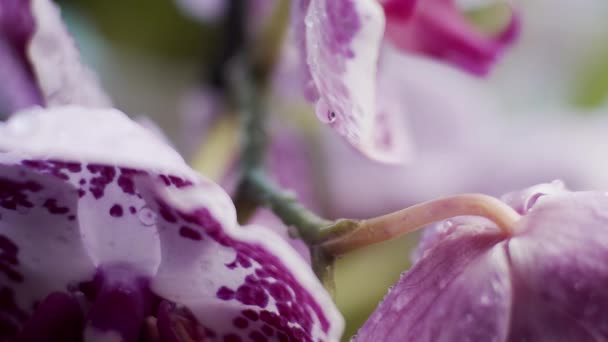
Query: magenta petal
x=560, y=268
x=58, y=318
x=60, y=74
x=236, y=281
x=439, y=29
x=151, y=213
x=444, y=297
x=546, y=282
x=399, y=9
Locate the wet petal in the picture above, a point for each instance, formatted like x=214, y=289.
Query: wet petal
x=546, y=282
x=71, y=171
x=459, y=290
x=60, y=74
x=19, y=87
x=560, y=270
x=237, y=281
x=439, y=29
x=340, y=42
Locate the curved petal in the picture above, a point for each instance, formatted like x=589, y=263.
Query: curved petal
x=98, y=136
x=564, y=239
x=238, y=281
x=458, y=291
x=69, y=202
x=61, y=76
x=341, y=44
x=523, y=201
x=19, y=88
x=439, y=29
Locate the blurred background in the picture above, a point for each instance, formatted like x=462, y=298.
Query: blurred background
x=540, y=115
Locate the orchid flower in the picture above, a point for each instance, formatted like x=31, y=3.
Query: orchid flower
x=101, y=240
x=471, y=281
x=134, y=241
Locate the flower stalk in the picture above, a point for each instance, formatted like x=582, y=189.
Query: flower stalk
x=340, y=240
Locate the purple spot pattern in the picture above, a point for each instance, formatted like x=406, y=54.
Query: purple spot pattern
x=11, y=316
x=9, y=260
x=22, y=189
x=274, y=302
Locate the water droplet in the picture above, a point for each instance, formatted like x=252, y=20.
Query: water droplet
x=331, y=116
x=146, y=216
x=484, y=300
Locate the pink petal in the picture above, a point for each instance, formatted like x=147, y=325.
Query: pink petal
x=438, y=29
x=560, y=270
x=340, y=42
x=459, y=291
x=546, y=282
x=61, y=76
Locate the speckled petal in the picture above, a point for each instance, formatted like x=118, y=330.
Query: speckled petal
x=70, y=170
x=341, y=44
x=242, y=282
x=61, y=76
x=437, y=28
x=19, y=88
x=41, y=247
x=560, y=269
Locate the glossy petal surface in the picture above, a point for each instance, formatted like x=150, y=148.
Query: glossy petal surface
x=88, y=176
x=546, y=282
x=340, y=42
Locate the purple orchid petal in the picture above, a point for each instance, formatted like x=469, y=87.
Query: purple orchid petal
x=438, y=28
x=546, y=282
x=53, y=175
x=120, y=305
x=340, y=42
x=559, y=265
x=437, y=290
x=90, y=173
x=262, y=286
x=61, y=76
x=41, y=243
x=19, y=89
x=58, y=318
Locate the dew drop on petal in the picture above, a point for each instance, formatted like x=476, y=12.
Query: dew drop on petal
x=146, y=216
